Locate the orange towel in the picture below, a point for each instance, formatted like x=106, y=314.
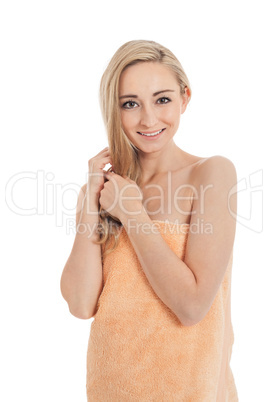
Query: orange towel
x=139, y=351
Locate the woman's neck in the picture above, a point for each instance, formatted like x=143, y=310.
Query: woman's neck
x=155, y=163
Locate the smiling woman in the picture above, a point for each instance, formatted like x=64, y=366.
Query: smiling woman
x=156, y=275
x=152, y=115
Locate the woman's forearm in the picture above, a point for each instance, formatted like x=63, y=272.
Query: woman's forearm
x=169, y=276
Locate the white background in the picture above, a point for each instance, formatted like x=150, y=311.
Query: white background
x=53, y=54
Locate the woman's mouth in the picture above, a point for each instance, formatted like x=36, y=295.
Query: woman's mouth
x=151, y=134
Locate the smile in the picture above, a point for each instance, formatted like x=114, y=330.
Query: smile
x=152, y=134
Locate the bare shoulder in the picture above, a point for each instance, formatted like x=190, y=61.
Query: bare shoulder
x=214, y=167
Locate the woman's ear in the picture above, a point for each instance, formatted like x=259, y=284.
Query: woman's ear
x=185, y=99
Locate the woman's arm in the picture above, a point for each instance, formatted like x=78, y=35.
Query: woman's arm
x=81, y=280
x=189, y=287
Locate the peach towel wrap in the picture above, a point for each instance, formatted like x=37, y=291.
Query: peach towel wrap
x=139, y=351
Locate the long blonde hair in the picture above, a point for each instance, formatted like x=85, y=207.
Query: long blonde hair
x=124, y=154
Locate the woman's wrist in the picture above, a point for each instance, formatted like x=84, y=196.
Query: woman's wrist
x=138, y=214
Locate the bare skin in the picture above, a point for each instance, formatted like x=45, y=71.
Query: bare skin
x=151, y=101
x=81, y=280
x=187, y=287
x=160, y=204
x=163, y=162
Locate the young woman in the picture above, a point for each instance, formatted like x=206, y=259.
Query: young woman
x=152, y=257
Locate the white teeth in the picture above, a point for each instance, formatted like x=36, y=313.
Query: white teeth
x=153, y=134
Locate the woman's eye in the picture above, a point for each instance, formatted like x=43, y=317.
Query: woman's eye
x=129, y=105
x=164, y=100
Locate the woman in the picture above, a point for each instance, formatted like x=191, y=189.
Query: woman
x=152, y=257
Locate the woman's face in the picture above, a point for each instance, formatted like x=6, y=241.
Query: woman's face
x=150, y=103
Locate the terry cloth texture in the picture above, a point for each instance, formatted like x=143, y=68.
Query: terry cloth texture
x=139, y=351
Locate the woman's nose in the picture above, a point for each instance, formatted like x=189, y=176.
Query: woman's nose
x=148, y=117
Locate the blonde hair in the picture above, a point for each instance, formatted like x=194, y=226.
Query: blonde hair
x=124, y=154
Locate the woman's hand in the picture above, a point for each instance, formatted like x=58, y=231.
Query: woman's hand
x=95, y=171
x=121, y=196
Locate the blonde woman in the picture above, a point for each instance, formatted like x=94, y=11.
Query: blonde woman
x=152, y=256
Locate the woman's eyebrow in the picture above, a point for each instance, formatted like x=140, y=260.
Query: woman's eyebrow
x=155, y=94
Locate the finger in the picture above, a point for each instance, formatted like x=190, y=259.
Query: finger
x=103, y=162
x=99, y=163
x=109, y=175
